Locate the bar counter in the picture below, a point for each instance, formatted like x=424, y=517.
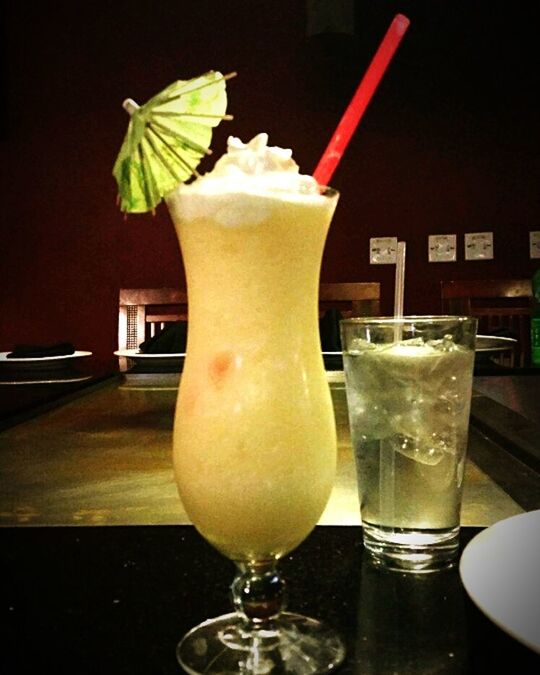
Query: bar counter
x=102, y=572
x=102, y=456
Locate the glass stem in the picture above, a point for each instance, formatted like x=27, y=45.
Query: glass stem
x=258, y=594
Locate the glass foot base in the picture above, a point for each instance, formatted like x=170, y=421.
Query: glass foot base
x=295, y=644
x=407, y=550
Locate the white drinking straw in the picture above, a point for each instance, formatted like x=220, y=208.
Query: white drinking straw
x=387, y=455
x=399, y=286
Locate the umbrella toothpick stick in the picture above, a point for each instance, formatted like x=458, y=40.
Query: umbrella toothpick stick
x=130, y=106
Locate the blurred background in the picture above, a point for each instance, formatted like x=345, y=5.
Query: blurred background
x=448, y=145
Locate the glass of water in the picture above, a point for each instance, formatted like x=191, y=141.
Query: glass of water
x=408, y=383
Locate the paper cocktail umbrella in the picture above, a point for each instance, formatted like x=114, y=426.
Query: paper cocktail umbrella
x=166, y=139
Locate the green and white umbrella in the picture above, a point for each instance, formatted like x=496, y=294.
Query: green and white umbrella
x=166, y=139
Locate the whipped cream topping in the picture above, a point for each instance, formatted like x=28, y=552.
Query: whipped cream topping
x=245, y=185
x=255, y=167
x=254, y=158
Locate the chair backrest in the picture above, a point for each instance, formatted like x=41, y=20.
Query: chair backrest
x=499, y=305
x=143, y=312
x=352, y=299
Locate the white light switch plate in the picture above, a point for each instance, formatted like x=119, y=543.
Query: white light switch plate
x=382, y=250
x=479, y=246
x=534, y=244
x=442, y=248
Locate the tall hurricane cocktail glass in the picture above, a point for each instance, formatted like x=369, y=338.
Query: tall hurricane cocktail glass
x=254, y=432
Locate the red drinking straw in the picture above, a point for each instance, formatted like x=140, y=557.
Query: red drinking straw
x=359, y=102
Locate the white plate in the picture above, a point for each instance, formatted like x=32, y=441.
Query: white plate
x=156, y=359
x=500, y=569
x=494, y=343
x=41, y=363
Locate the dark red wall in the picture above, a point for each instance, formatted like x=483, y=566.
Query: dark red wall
x=449, y=143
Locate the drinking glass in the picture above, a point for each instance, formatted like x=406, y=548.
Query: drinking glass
x=254, y=432
x=408, y=382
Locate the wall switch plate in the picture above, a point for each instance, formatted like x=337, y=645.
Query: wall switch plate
x=479, y=246
x=534, y=244
x=382, y=250
x=442, y=248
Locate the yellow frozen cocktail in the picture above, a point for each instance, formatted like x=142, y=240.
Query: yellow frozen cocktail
x=254, y=434
x=254, y=431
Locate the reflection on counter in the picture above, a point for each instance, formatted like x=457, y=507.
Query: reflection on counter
x=410, y=623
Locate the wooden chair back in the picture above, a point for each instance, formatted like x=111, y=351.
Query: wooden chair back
x=499, y=304
x=351, y=299
x=143, y=312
